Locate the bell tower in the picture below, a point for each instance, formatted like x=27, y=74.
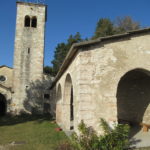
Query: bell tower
x=29, y=50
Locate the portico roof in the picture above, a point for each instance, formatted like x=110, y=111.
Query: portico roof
x=75, y=47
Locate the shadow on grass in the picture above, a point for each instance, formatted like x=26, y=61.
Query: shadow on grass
x=12, y=120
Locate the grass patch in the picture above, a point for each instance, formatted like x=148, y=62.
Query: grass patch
x=36, y=132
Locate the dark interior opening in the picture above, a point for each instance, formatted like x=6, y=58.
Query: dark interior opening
x=46, y=96
x=71, y=106
x=28, y=50
x=133, y=98
x=27, y=21
x=34, y=22
x=3, y=106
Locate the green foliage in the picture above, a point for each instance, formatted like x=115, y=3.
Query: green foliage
x=124, y=24
x=62, y=50
x=106, y=27
x=48, y=70
x=88, y=139
x=113, y=139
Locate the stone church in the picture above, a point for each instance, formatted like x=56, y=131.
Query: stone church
x=104, y=78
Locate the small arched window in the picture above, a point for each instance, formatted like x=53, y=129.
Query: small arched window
x=27, y=21
x=34, y=22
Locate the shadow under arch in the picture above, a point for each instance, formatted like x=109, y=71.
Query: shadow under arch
x=133, y=99
x=59, y=93
x=3, y=105
x=68, y=101
x=58, y=104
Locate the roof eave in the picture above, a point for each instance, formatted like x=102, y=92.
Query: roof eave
x=76, y=46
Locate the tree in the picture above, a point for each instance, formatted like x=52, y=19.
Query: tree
x=104, y=28
x=48, y=70
x=62, y=50
x=124, y=24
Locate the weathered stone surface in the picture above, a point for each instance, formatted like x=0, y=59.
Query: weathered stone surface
x=29, y=49
x=96, y=74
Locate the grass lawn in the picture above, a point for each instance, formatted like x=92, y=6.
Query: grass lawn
x=32, y=133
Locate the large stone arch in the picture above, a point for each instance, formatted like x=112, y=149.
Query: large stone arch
x=59, y=104
x=3, y=105
x=68, y=103
x=133, y=98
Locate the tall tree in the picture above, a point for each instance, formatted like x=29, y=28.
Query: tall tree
x=62, y=50
x=124, y=24
x=104, y=28
x=48, y=70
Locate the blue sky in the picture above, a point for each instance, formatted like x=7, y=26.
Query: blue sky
x=67, y=17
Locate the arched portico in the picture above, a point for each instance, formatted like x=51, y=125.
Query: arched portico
x=3, y=105
x=68, y=103
x=133, y=98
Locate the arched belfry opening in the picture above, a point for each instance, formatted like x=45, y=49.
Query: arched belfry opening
x=133, y=98
x=69, y=101
x=3, y=105
x=27, y=21
x=34, y=22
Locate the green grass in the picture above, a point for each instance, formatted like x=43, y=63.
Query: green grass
x=37, y=133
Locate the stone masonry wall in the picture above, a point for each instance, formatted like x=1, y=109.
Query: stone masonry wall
x=106, y=64
x=7, y=72
x=96, y=72
x=5, y=89
x=29, y=51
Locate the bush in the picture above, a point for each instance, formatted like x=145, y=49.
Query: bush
x=113, y=139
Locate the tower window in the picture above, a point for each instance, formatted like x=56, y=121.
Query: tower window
x=28, y=50
x=34, y=22
x=46, y=96
x=27, y=21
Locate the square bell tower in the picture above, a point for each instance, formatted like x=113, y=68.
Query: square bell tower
x=29, y=51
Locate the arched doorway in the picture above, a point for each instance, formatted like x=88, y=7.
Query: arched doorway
x=69, y=102
x=3, y=105
x=133, y=99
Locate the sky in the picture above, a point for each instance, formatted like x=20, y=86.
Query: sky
x=67, y=17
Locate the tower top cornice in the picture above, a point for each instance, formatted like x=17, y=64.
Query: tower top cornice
x=31, y=4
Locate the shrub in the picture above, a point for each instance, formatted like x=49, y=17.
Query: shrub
x=113, y=139
x=87, y=140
